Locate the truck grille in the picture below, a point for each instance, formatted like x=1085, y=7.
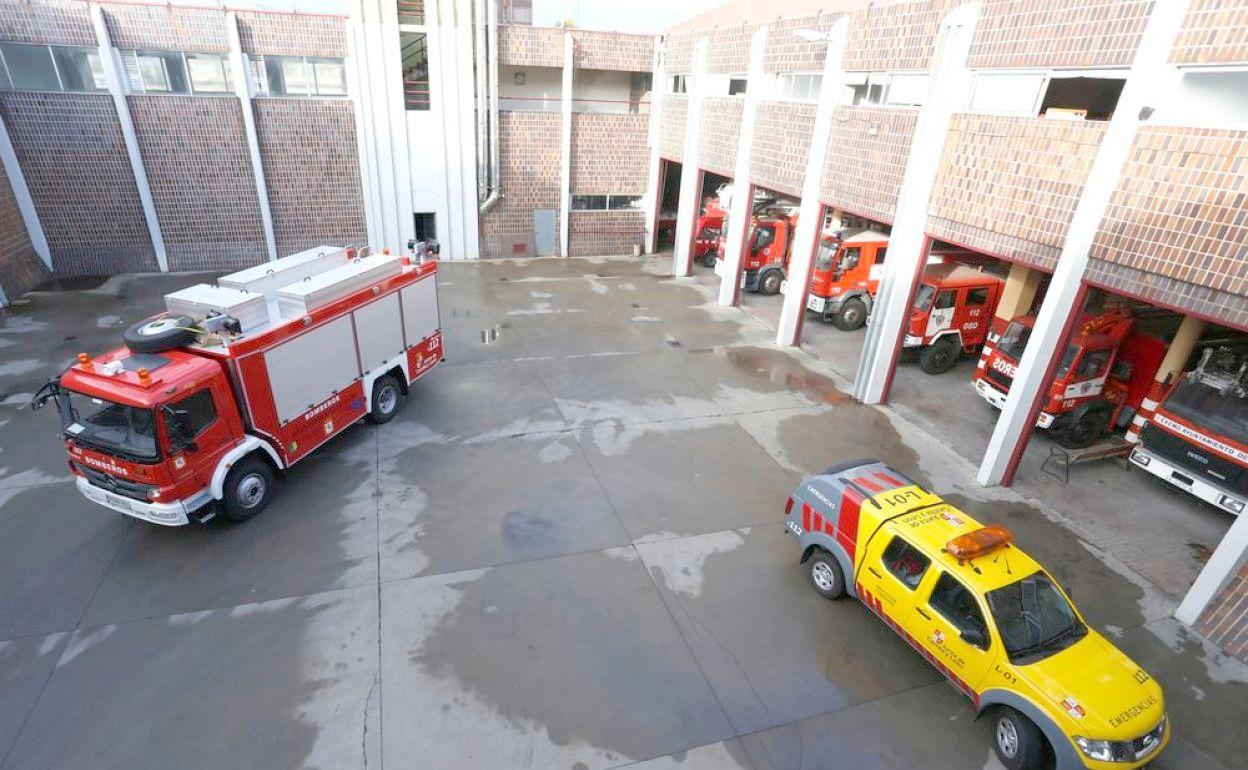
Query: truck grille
x=131, y=489
x=1004, y=380
x=1194, y=459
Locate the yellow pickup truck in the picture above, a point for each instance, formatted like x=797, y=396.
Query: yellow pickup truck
x=984, y=613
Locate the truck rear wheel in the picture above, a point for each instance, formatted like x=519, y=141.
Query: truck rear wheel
x=825, y=575
x=769, y=284
x=387, y=395
x=940, y=356
x=852, y=316
x=248, y=487
x=1017, y=741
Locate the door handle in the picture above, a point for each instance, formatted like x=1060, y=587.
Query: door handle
x=873, y=572
x=924, y=614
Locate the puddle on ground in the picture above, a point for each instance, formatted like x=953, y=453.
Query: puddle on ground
x=781, y=368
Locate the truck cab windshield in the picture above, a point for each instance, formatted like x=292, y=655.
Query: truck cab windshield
x=125, y=431
x=923, y=298
x=1034, y=618
x=824, y=257
x=1205, y=406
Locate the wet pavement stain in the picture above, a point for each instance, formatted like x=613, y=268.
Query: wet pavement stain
x=784, y=370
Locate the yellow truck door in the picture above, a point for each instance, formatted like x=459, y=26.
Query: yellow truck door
x=890, y=573
x=950, y=623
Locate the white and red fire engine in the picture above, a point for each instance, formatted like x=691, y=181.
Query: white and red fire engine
x=237, y=381
x=1196, y=438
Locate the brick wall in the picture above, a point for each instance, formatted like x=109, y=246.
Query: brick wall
x=1213, y=33
x=20, y=268
x=521, y=44
x=894, y=36
x=782, y=132
x=787, y=52
x=312, y=169
x=719, y=130
x=612, y=51
x=292, y=34
x=678, y=53
x=529, y=176
x=1225, y=621
x=1058, y=33
x=195, y=154
x=72, y=154
x=163, y=27
x=866, y=157
x=728, y=50
x=605, y=233
x=49, y=22
x=1227, y=309
x=1009, y=185
x=1178, y=210
x=609, y=154
x=672, y=125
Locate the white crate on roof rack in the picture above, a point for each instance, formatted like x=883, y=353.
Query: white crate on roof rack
x=298, y=299
x=267, y=278
x=201, y=300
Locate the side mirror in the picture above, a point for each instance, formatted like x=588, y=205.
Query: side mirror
x=973, y=636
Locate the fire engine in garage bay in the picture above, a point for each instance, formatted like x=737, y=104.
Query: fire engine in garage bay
x=1197, y=437
x=952, y=313
x=984, y=613
x=706, y=234
x=845, y=277
x=1104, y=373
x=237, y=381
x=767, y=250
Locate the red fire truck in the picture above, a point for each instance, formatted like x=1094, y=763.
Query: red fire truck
x=768, y=248
x=207, y=402
x=1103, y=375
x=706, y=233
x=845, y=277
x=951, y=314
x=1197, y=437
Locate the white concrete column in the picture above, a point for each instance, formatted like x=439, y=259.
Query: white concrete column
x=25, y=203
x=565, y=156
x=810, y=214
x=242, y=89
x=740, y=207
x=462, y=160
x=117, y=88
x=1225, y=563
x=359, y=77
x=650, y=202
x=1018, y=416
x=950, y=83
x=690, y=203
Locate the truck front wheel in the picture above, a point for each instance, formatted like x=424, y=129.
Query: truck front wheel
x=1085, y=430
x=248, y=487
x=707, y=259
x=387, y=395
x=1017, y=741
x=825, y=575
x=940, y=356
x=769, y=284
x=852, y=316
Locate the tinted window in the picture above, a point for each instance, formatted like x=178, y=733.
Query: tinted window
x=763, y=237
x=906, y=562
x=923, y=299
x=1093, y=364
x=946, y=299
x=953, y=601
x=1033, y=617
x=880, y=254
x=30, y=67
x=1014, y=340
x=851, y=258
x=976, y=297
x=200, y=412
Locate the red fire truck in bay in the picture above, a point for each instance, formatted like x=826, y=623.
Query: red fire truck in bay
x=767, y=251
x=1102, y=377
x=952, y=312
x=1197, y=437
x=706, y=233
x=207, y=402
x=845, y=277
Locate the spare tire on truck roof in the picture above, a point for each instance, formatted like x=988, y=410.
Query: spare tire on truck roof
x=161, y=333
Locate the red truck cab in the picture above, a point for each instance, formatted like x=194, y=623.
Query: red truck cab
x=766, y=259
x=1106, y=368
x=952, y=312
x=707, y=233
x=845, y=277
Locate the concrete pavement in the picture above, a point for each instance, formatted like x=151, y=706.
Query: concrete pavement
x=565, y=552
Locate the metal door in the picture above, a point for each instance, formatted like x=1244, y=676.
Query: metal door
x=544, y=244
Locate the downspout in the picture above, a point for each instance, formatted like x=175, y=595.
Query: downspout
x=495, y=187
x=481, y=80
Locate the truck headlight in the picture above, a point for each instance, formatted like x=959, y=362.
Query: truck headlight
x=1140, y=459
x=1226, y=501
x=1099, y=750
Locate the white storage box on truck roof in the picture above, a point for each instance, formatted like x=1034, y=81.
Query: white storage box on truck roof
x=201, y=300
x=269, y=277
x=298, y=299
